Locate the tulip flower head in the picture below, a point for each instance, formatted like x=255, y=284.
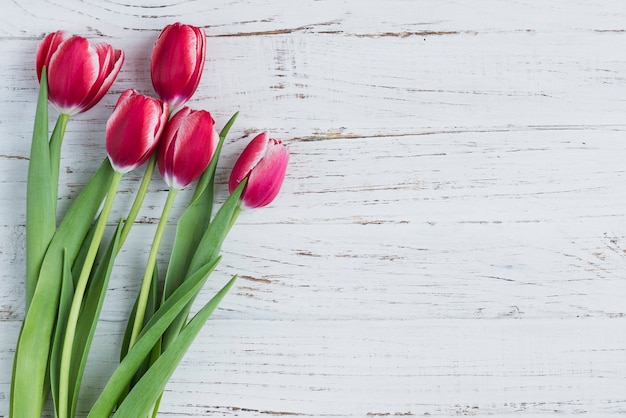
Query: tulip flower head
x=264, y=163
x=177, y=63
x=79, y=73
x=134, y=129
x=188, y=144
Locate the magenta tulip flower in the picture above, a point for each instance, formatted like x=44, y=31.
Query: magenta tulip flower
x=188, y=144
x=134, y=129
x=177, y=63
x=264, y=163
x=79, y=73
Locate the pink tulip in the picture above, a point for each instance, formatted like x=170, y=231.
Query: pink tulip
x=134, y=129
x=79, y=73
x=264, y=163
x=177, y=63
x=188, y=143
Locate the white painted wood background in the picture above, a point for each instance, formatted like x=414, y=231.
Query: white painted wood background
x=451, y=236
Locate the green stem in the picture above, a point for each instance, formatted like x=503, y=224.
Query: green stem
x=55, y=153
x=147, y=278
x=141, y=194
x=79, y=293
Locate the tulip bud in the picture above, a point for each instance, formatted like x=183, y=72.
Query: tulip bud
x=133, y=130
x=177, y=63
x=188, y=143
x=264, y=163
x=79, y=73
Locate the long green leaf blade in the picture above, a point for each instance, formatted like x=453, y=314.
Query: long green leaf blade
x=67, y=292
x=35, y=340
x=149, y=336
x=211, y=243
x=56, y=139
x=142, y=398
x=151, y=308
x=40, y=205
x=194, y=221
x=207, y=250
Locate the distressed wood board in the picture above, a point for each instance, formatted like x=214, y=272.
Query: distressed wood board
x=450, y=239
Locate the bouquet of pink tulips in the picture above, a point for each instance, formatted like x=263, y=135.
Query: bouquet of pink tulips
x=68, y=266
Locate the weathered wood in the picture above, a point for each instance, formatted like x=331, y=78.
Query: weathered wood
x=451, y=236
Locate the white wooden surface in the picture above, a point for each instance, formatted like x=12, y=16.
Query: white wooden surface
x=451, y=236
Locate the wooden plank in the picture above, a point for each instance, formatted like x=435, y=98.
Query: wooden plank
x=450, y=236
x=392, y=368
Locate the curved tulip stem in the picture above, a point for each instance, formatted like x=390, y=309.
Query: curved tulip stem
x=81, y=286
x=55, y=153
x=147, y=278
x=141, y=194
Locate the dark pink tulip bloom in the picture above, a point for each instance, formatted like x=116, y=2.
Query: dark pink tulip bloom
x=188, y=144
x=79, y=73
x=134, y=129
x=177, y=63
x=264, y=163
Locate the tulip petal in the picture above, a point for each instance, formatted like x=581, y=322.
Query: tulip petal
x=168, y=155
x=133, y=130
x=193, y=154
x=74, y=69
x=250, y=157
x=177, y=62
x=110, y=64
x=266, y=178
x=189, y=142
x=79, y=74
x=157, y=113
x=176, y=53
x=46, y=48
x=200, y=49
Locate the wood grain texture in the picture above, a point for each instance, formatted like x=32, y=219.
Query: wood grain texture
x=451, y=236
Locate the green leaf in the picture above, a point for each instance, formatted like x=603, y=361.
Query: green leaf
x=89, y=315
x=149, y=336
x=151, y=308
x=194, y=221
x=55, y=154
x=40, y=206
x=213, y=238
x=207, y=250
x=67, y=292
x=155, y=410
x=142, y=398
x=189, y=229
x=12, y=390
x=35, y=341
